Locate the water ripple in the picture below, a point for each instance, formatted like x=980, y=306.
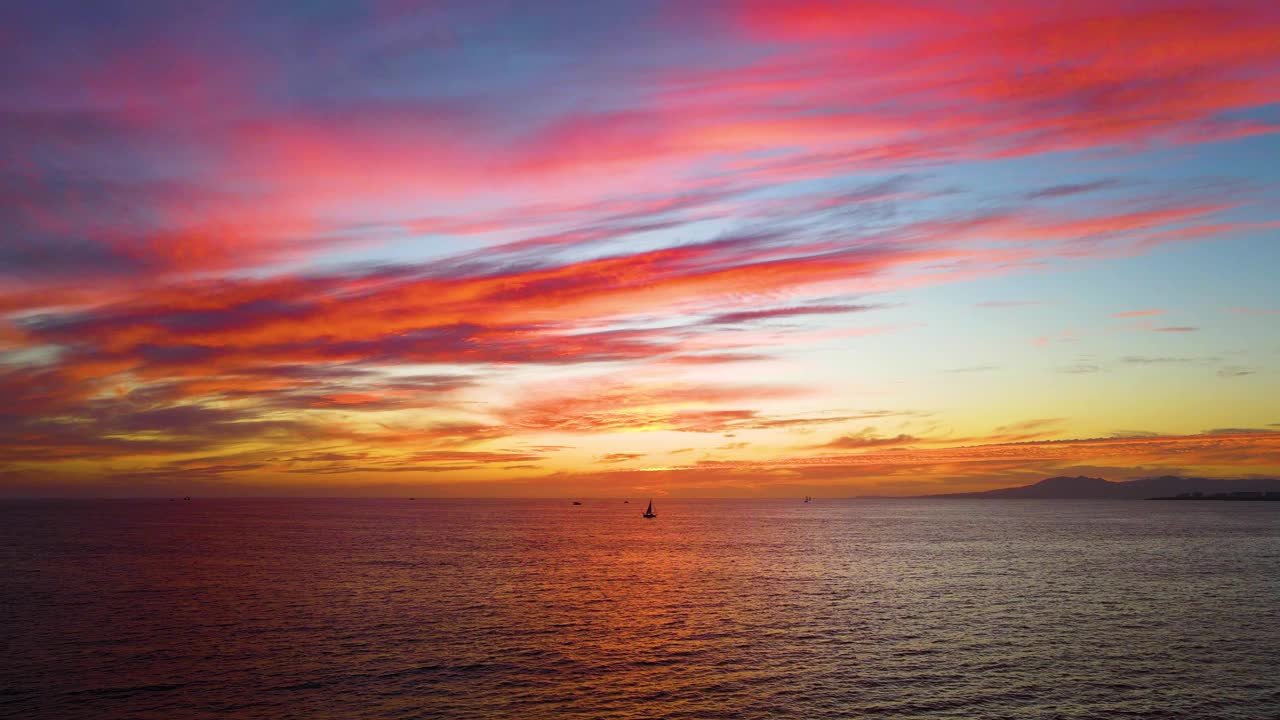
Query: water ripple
x=777, y=609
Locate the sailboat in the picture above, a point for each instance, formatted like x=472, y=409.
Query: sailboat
x=807, y=498
x=649, y=513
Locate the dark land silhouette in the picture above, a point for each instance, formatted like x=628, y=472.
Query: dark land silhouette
x=1164, y=487
x=1241, y=495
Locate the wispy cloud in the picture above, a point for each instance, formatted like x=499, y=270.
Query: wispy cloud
x=1235, y=371
x=868, y=439
x=976, y=466
x=999, y=304
x=1070, y=189
x=224, y=263
x=1146, y=360
x=613, y=458
x=746, y=316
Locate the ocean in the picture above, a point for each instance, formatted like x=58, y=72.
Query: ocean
x=399, y=608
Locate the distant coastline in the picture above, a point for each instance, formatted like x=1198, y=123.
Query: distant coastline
x=1167, y=487
x=1223, y=496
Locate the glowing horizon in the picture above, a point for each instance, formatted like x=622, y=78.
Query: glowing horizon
x=729, y=249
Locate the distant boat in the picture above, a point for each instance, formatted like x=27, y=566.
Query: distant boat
x=649, y=513
x=624, y=502
x=807, y=498
x=575, y=502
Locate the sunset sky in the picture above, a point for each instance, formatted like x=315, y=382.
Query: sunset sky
x=633, y=249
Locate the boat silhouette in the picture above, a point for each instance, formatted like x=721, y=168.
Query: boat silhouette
x=649, y=513
x=575, y=502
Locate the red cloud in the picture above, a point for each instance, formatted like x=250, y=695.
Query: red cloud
x=1014, y=78
x=610, y=406
x=148, y=215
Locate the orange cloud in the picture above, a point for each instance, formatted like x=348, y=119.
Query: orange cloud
x=959, y=469
x=165, y=205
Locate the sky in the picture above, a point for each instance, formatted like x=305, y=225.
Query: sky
x=635, y=248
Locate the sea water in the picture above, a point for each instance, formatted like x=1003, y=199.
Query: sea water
x=399, y=608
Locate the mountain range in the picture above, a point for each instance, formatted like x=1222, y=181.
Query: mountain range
x=1081, y=487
